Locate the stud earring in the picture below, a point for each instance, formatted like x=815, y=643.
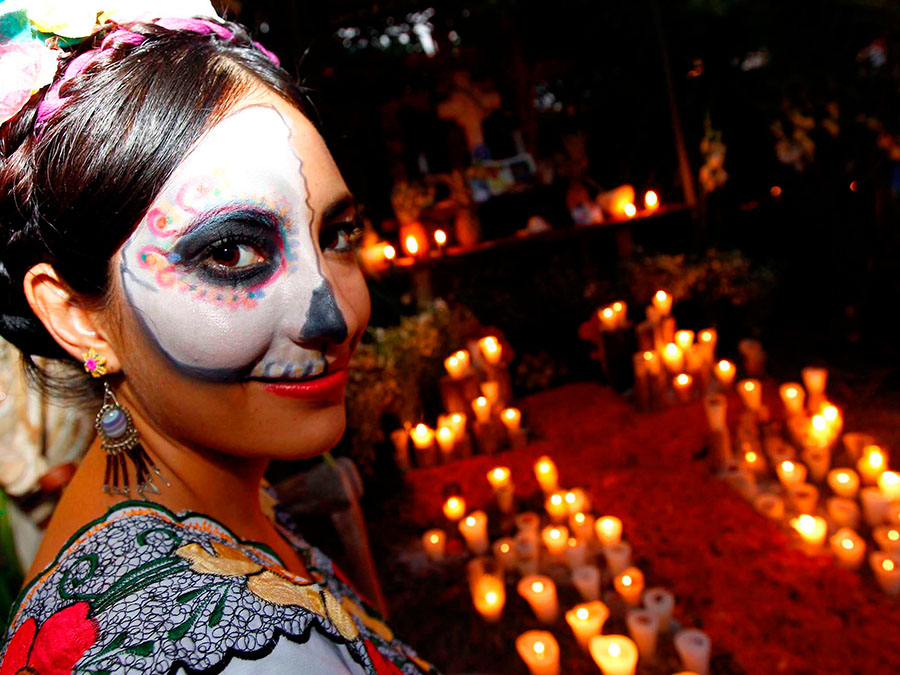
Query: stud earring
x=94, y=363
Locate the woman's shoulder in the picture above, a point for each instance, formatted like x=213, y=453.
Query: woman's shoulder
x=145, y=590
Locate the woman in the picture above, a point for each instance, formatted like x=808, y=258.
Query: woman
x=173, y=224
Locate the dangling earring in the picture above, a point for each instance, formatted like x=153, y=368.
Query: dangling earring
x=118, y=438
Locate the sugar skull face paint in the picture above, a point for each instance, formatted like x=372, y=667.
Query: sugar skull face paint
x=225, y=271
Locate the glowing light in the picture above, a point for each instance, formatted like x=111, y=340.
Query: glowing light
x=847, y=544
x=617, y=306
x=648, y=356
x=389, y=252
x=830, y=413
x=539, y=648
x=570, y=498
x=434, y=539
x=843, y=477
x=630, y=210
x=683, y=380
x=775, y=191
x=887, y=565
x=806, y=523
x=749, y=386
x=412, y=245
x=651, y=199
x=614, y=650
x=573, y=542
x=556, y=499
x=470, y=521
x=875, y=456
x=672, y=349
x=490, y=597
x=854, y=186
x=579, y=518
x=819, y=423
x=504, y=548
x=582, y=613
x=750, y=457
x=787, y=466
x=537, y=587
x=608, y=313
x=440, y=237
x=791, y=392
x=893, y=535
x=661, y=296
x=706, y=336
x=626, y=581
x=509, y=413
x=724, y=366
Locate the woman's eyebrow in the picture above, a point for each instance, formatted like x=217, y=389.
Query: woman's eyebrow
x=343, y=203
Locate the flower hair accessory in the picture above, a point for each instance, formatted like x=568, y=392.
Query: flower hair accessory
x=34, y=35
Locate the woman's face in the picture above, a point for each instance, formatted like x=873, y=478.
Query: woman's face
x=241, y=297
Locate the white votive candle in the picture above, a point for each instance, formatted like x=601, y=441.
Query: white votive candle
x=886, y=568
x=643, y=626
x=434, y=543
x=454, y=508
x=812, y=529
x=661, y=603
x=889, y=484
x=608, y=530
x=848, y=548
x=474, y=530
x=489, y=597
x=614, y=654
x=843, y=512
x=694, y=648
x=446, y=441
x=725, y=373
x=555, y=538
x=844, y=482
x=887, y=537
x=582, y=526
x=546, y=474
x=586, y=620
x=792, y=397
x=790, y=473
x=586, y=579
x=505, y=553
x=630, y=585
x=540, y=593
x=618, y=556
x=540, y=652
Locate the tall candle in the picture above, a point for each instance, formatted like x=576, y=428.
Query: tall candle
x=540, y=593
x=709, y=337
x=652, y=362
x=889, y=484
x=608, y=529
x=812, y=529
x=546, y=474
x=848, y=547
x=661, y=603
x=423, y=438
x=662, y=301
x=886, y=567
x=454, y=508
x=499, y=477
x=618, y=556
x=555, y=538
x=474, y=530
x=673, y=357
x=790, y=473
x=556, y=507
x=682, y=384
x=491, y=349
x=457, y=422
x=630, y=585
x=725, y=373
x=792, y=397
x=511, y=418
x=505, y=553
x=582, y=526
x=614, y=654
x=489, y=597
x=540, y=652
x=434, y=542
x=887, y=537
x=621, y=309
x=455, y=367
x=482, y=409
x=586, y=579
x=872, y=462
x=586, y=620
x=751, y=394
x=607, y=317
x=643, y=626
x=815, y=379
x=694, y=648
x=844, y=482
x=446, y=441
x=684, y=339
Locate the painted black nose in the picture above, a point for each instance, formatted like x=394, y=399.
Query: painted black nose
x=324, y=320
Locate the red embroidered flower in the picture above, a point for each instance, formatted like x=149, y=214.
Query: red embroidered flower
x=55, y=648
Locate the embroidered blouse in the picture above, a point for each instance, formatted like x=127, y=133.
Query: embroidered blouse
x=143, y=590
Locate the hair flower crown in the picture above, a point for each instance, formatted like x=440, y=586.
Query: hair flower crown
x=35, y=34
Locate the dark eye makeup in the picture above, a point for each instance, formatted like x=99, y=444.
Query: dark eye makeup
x=341, y=237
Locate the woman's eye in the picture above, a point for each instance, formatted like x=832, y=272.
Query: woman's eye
x=341, y=237
x=235, y=256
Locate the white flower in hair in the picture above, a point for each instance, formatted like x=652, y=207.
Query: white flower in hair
x=134, y=10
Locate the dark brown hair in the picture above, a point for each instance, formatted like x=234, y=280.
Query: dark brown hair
x=72, y=193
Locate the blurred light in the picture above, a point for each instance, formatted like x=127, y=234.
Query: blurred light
x=440, y=237
x=390, y=252
x=775, y=191
x=630, y=210
x=385, y=41
x=403, y=38
x=264, y=27
x=853, y=185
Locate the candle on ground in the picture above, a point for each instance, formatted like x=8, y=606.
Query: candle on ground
x=446, y=441
x=434, y=542
x=482, y=409
x=643, y=626
x=725, y=372
x=812, y=529
x=673, y=357
x=556, y=507
x=474, y=530
x=582, y=526
x=844, y=482
x=614, y=654
x=887, y=537
x=546, y=474
x=608, y=529
x=889, y=484
x=661, y=603
x=491, y=349
x=848, y=547
x=505, y=553
x=454, y=508
x=455, y=367
x=870, y=465
x=790, y=473
x=694, y=647
x=511, y=418
x=540, y=652
x=555, y=538
x=586, y=579
x=540, y=593
x=662, y=301
x=586, y=620
x=630, y=585
x=792, y=397
x=683, y=386
x=489, y=597
x=751, y=394
x=886, y=567
x=843, y=512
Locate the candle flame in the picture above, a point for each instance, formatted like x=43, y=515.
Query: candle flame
x=537, y=587
x=445, y=433
x=421, y=429
x=819, y=423
x=617, y=306
x=843, y=477
x=847, y=543
x=453, y=502
x=390, y=252
x=607, y=524
x=705, y=336
x=440, y=237
x=724, y=366
x=608, y=313
x=683, y=380
x=750, y=457
x=504, y=548
x=555, y=534
x=412, y=245
x=648, y=356
x=573, y=542
x=830, y=413
x=582, y=613
x=470, y=521
x=453, y=361
x=556, y=499
x=500, y=473
x=876, y=458
x=672, y=349
x=887, y=565
x=749, y=386
x=630, y=210
x=456, y=418
x=805, y=524
x=570, y=497
x=661, y=296
x=434, y=539
x=579, y=517
x=651, y=199
x=893, y=535
x=626, y=581
x=890, y=478
x=544, y=467
x=787, y=466
x=481, y=401
x=539, y=648
x=614, y=650
x=791, y=392
x=490, y=597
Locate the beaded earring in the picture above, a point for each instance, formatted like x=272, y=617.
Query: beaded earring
x=119, y=438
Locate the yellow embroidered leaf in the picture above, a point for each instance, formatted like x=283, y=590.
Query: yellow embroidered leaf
x=280, y=591
x=228, y=561
x=378, y=627
x=340, y=618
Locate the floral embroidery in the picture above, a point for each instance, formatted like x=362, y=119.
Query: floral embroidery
x=55, y=647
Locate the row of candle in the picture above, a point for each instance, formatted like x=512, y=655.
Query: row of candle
x=459, y=363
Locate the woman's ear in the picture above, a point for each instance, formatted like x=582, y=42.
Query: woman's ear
x=75, y=328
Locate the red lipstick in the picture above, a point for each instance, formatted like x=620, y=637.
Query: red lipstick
x=327, y=386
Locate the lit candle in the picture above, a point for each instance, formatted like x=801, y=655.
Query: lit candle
x=651, y=200
x=754, y=462
x=540, y=652
x=454, y=508
x=709, y=337
x=411, y=244
x=614, y=654
x=586, y=620
x=474, y=530
x=489, y=596
x=511, y=418
x=608, y=318
x=843, y=512
x=662, y=301
x=546, y=474
x=843, y=482
x=630, y=585
x=661, y=603
x=455, y=368
x=556, y=507
x=555, y=538
x=694, y=647
x=440, y=238
x=540, y=593
x=499, y=477
x=630, y=210
x=684, y=339
x=889, y=484
x=389, y=252
x=422, y=437
x=434, y=542
x=652, y=362
x=886, y=567
x=576, y=500
x=682, y=384
x=769, y=505
x=491, y=391
x=887, y=537
x=818, y=433
x=725, y=372
x=609, y=530
x=482, y=408
x=586, y=579
x=790, y=473
x=793, y=397
x=855, y=442
x=751, y=394
x=582, y=526
x=874, y=505
x=815, y=379
x=505, y=553
x=446, y=441
x=643, y=626
x=848, y=547
x=491, y=349
x=673, y=357
x=812, y=529
x=576, y=552
x=457, y=422
x=870, y=465
x=621, y=310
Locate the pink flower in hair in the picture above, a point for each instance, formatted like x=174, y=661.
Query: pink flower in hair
x=24, y=69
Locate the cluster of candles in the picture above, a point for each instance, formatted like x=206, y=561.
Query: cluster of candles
x=863, y=493
x=567, y=537
x=474, y=393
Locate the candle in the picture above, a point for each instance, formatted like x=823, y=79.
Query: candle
x=815, y=379
x=454, y=508
x=499, y=477
x=576, y=552
x=482, y=408
x=652, y=362
x=621, y=310
x=790, y=473
x=855, y=442
x=511, y=418
x=528, y=522
x=540, y=593
x=751, y=394
x=556, y=507
x=527, y=550
x=661, y=603
x=630, y=210
x=792, y=397
x=608, y=318
x=491, y=391
x=804, y=497
x=546, y=474
x=630, y=585
x=586, y=579
x=446, y=441
x=818, y=460
x=812, y=529
x=576, y=500
x=586, y=620
x=870, y=465
x=684, y=339
x=874, y=505
x=455, y=367
x=474, y=530
x=434, y=542
x=505, y=553
x=694, y=647
x=540, y=652
x=754, y=462
x=614, y=654
x=843, y=482
x=582, y=526
x=422, y=437
x=489, y=596
x=889, y=484
x=708, y=338
x=682, y=385
x=715, y=405
x=389, y=252
x=609, y=530
x=886, y=567
x=651, y=200
x=848, y=547
x=411, y=244
x=491, y=349
x=457, y=422
x=662, y=301
x=555, y=538
x=769, y=505
x=643, y=626
x=673, y=357
x=843, y=512
x=725, y=372
x=440, y=238
x=887, y=537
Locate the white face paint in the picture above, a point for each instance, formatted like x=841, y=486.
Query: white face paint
x=223, y=272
